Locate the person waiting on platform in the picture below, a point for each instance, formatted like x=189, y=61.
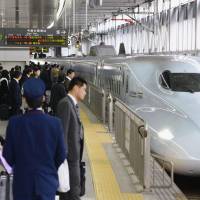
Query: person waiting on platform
x=34, y=147
x=26, y=75
x=57, y=92
x=69, y=76
x=15, y=97
x=36, y=72
x=67, y=110
x=54, y=73
x=4, y=87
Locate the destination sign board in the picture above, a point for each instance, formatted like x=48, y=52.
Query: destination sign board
x=33, y=37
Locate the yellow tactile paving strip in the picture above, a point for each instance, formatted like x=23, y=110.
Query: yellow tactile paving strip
x=105, y=183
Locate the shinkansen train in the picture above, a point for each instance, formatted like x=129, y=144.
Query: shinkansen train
x=163, y=90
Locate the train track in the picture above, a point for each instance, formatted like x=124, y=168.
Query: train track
x=190, y=186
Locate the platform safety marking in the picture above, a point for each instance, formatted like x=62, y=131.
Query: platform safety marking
x=105, y=183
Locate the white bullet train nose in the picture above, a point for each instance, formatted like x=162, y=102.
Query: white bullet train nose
x=188, y=167
x=182, y=149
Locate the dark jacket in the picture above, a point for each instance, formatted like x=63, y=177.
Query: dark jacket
x=57, y=93
x=4, y=91
x=23, y=79
x=66, y=111
x=45, y=76
x=35, y=149
x=15, y=97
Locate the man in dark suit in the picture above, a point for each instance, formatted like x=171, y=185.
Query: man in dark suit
x=57, y=92
x=34, y=147
x=68, y=78
x=26, y=75
x=15, y=96
x=67, y=110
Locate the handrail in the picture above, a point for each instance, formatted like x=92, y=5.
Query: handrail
x=127, y=108
x=132, y=137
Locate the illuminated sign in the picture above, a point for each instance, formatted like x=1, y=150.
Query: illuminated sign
x=39, y=49
x=34, y=37
x=36, y=40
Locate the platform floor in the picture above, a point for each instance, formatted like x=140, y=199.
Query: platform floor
x=112, y=177
x=108, y=173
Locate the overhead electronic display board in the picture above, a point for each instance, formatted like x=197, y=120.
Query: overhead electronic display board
x=34, y=37
x=2, y=39
x=39, y=49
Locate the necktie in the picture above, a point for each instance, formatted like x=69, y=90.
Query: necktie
x=77, y=110
x=78, y=113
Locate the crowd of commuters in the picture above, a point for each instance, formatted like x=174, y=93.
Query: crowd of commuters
x=38, y=141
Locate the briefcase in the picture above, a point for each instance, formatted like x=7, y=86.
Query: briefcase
x=83, y=179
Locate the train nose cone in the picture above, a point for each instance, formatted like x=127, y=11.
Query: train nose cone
x=187, y=167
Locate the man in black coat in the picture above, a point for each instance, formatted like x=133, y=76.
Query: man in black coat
x=46, y=77
x=15, y=96
x=25, y=76
x=57, y=93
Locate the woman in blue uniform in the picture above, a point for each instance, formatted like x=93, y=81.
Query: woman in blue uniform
x=34, y=147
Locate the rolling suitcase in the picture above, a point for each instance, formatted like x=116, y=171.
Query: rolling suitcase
x=6, y=186
x=6, y=180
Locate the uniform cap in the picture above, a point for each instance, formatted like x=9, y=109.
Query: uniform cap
x=33, y=88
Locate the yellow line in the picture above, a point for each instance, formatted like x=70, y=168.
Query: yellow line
x=105, y=182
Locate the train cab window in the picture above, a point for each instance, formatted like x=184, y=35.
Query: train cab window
x=165, y=79
x=185, y=82
x=92, y=52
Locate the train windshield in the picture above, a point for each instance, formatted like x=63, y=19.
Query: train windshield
x=184, y=82
x=106, y=51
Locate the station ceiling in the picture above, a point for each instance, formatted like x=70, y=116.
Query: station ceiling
x=41, y=13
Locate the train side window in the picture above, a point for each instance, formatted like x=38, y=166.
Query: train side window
x=119, y=87
x=115, y=84
x=127, y=86
x=123, y=77
x=110, y=85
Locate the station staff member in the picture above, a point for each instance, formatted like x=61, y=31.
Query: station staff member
x=34, y=147
x=67, y=110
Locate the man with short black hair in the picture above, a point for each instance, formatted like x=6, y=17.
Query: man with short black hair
x=36, y=72
x=34, y=147
x=67, y=110
x=68, y=78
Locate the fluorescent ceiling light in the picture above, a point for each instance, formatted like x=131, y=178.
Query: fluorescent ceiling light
x=51, y=25
x=166, y=134
x=60, y=8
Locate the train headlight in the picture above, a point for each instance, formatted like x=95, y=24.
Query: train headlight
x=166, y=134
